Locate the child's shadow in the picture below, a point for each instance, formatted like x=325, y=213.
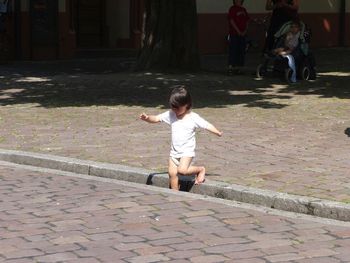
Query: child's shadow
x=186, y=182
x=347, y=132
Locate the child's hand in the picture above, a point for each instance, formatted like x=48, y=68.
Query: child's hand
x=283, y=53
x=219, y=133
x=212, y=129
x=144, y=116
x=149, y=118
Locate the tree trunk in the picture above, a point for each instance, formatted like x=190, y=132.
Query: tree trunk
x=170, y=36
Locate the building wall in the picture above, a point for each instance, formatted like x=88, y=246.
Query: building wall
x=66, y=33
x=124, y=23
x=25, y=30
x=258, y=6
x=117, y=24
x=222, y=6
x=8, y=38
x=65, y=46
x=118, y=21
x=321, y=15
x=347, y=23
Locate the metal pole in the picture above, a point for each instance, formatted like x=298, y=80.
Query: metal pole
x=17, y=27
x=342, y=21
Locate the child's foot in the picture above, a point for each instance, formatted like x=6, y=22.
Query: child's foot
x=200, y=177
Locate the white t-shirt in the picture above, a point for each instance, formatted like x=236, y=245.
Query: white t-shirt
x=183, y=140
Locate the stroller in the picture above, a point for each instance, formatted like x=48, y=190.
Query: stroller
x=304, y=59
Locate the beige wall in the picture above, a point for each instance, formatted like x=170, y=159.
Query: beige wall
x=62, y=6
x=118, y=20
x=25, y=5
x=222, y=6
x=258, y=6
x=319, y=6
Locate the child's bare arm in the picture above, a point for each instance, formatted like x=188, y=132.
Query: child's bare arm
x=149, y=118
x=235, y=27
x=214, y=130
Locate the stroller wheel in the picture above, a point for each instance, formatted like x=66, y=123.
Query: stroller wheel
x=288, y=75
x=260, y=71
x=305, y=73
x=312, y=74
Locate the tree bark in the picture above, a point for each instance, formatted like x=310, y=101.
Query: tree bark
x=170, y=36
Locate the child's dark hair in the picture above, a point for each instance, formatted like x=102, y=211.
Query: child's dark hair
x=180, y=97
x=297, y=22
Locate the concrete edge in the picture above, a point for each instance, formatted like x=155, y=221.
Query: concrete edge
x=267, y=198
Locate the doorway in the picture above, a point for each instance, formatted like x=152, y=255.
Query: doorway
x=90, y=23
x=44, y=29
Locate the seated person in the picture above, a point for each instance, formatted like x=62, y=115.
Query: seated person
x=282, y=12
x=288, y=48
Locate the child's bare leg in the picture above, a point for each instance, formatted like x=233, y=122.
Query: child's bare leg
x=186, y=168
x=200, y=171
x=173, y=178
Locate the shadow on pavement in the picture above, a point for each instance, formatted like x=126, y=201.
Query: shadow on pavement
x=110, y=82
x=186, y=182
x=347, y=132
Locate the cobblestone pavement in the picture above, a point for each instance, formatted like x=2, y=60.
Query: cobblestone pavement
x=287, y=138
x=50, y=216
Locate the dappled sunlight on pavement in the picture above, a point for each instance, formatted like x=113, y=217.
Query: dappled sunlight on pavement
x=288, y=138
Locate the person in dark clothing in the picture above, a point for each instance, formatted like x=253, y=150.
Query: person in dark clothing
x=282, y=12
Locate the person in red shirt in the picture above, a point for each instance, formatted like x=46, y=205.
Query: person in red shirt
x=238, y=19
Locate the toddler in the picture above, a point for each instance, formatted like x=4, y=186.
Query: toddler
x=183, y=124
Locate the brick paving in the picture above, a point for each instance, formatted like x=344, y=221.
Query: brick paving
x=277, y=137
x=56, y=217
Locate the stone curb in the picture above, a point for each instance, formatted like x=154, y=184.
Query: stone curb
x=281, y=201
